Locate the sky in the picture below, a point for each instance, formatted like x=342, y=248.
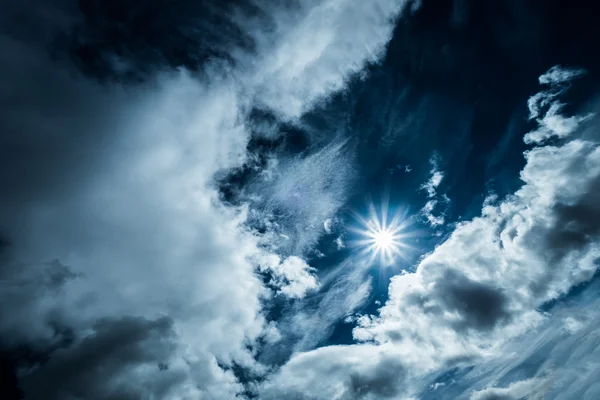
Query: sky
x=304, y=200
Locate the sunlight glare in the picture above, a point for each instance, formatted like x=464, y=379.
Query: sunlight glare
x=383, y=239
x=380, y=237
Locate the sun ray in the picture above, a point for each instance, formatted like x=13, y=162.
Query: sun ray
x=382, y=235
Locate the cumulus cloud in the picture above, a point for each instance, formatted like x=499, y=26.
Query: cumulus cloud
x=486, y=283
x=293, y=277
x=142, y=235
x=339, y=372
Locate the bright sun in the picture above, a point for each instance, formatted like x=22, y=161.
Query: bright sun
x=383, y=239
x=380, y=237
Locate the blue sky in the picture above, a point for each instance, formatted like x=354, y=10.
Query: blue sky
x=302, y=200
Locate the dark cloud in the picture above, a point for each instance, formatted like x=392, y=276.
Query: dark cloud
x=384, y=381
x=495, y=396
x=28, y=293
x=58, y=274
x=55, y=126
x=577, y=224
x=480, y=306
x=104, y=364
x=132, y=40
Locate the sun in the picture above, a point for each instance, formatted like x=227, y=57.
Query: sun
x=382, y=238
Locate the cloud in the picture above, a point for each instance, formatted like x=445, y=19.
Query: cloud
x=486, y=283
x=501, y=263
x=551, y=122
x=297, y=274
x=434, y=181
x=302, y=192
x=431, y=186
x=318, y=54
x=338, y=372
x=293, y=277
x=134, y=41
x=558, y=75
x=475, y=304
x=125, y=358
x=556, y=360
x=116, y=183
x=427, y=212
x=143, y=234
x=345, y=288
x=327, y=225
x=518, y=390
x=309, y=322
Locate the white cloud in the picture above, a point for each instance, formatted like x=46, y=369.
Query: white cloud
x=558, y=74
x=317, y=53
x=294, y=277
x=519, y=390
x=338, y=372
x=483, y=284
x=572, y=325
x=327, y=225
x=551, y=122
x=431, y=185
x=436, y=178
x=431, y=188
x=427, y=211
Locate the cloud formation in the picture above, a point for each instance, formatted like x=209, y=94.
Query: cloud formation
x=485, y=284
x=117, y=249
